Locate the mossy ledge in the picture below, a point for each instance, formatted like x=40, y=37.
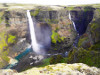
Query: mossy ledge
x=5, y=41
x=55, y=37
x=80, y=55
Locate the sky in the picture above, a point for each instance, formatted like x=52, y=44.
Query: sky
x=52, y=2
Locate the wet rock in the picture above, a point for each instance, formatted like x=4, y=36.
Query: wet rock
x=30, y=60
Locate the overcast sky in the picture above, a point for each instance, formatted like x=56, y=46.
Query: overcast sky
x=52, y=2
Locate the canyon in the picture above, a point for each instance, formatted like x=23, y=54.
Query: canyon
x=55, y=31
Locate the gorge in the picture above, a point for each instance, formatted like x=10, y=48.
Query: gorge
x=42, y=35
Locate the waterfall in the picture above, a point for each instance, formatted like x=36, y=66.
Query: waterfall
x=72, y=21
x=34, y=43
x=78, y=36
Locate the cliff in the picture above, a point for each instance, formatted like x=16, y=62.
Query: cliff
x=15, y=35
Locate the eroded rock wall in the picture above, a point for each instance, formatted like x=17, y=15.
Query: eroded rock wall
x=62, y=32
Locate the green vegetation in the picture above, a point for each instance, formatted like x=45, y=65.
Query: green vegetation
x=45, y=62
x=55, y=37
x=95, y=47
x=4, y=47
x=35, y=13
x=11, y=39
x=3, y=42
x=88, y=8
x=51, y=21
x=49, y=9
x=98, y=10
x=57, y=59
x=1, y=16
x=81, y=55
x=70, y=8
x=80, y=42
x=94, y=26
x=71, y=55
x=3, y=50
x=53, y=60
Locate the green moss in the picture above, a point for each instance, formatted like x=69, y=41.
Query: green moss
x=71, y=55
x=4, y=47
x=3, y=42
x=35, y=13
x=3, y=50
x=98, y=10
x=81, y=40
x=11, y=39
x=51, y=21
x=81, y=55
x=45, y=62
x=86, y=57
x=56, y=38
x=95, y=47
x=94, y=29
x=88, y=8
x=56, y=59
x=94, y=26
x=70, y=8
x=1, y=16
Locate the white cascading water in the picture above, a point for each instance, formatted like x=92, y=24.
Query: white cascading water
x=77, y=38
x=34, y=43
x=72, y=21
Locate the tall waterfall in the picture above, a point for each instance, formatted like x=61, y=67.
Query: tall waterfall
x=72, y=21
x=34, y=43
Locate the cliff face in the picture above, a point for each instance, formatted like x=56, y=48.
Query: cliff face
x=63, y=33
x=82, y=18
x=17, y=19
x=13, y=31
x=57, y=26
x=91, y=36
x=88, y=50
x=14, y=22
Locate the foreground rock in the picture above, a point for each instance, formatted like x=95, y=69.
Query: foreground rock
x=58, y=69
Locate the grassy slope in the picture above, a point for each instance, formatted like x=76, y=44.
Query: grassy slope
x=31, y=6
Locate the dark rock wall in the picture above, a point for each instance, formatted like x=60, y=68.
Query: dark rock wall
x=81, y=19
x=91, y=36
x=15, y=22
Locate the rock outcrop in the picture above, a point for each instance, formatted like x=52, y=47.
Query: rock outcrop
x=58, y=69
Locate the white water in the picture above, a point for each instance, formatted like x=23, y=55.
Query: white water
x=72, y=21
x=34, y=43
